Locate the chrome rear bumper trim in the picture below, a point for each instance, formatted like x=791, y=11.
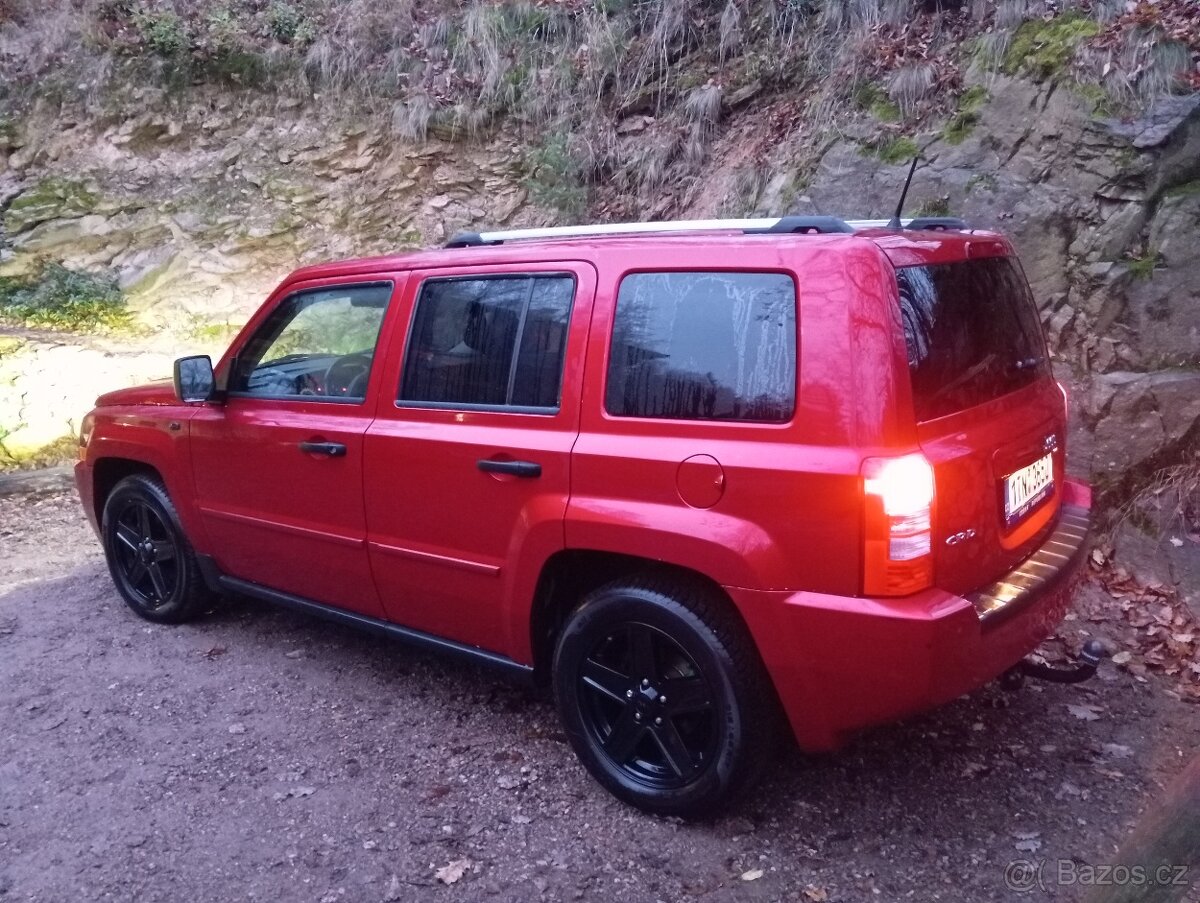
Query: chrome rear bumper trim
x=1054, y=561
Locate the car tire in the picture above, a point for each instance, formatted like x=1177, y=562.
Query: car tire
x=151, y=561
x=663, y=696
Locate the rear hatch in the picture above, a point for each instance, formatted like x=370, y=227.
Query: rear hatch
x=991, y=419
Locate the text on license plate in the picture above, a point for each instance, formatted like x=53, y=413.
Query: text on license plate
x=1027, y=487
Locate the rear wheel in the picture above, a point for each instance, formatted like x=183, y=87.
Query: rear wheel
x=151, y=561
x=663, y=697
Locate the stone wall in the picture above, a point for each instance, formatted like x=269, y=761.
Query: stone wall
x=199, y=210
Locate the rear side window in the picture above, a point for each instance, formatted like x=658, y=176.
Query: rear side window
x=492, y=341
x=704, y=346
x=972, y=333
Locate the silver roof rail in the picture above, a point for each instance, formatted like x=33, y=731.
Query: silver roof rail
x=780, y=225
x=772, y=225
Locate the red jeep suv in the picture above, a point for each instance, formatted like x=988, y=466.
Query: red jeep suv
x=702, y=477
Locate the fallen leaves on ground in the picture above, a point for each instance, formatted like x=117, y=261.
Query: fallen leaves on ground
x=1155, y=628
x=1085, y=712
x=452, y=872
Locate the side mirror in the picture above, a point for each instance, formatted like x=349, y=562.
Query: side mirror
x=194, y=379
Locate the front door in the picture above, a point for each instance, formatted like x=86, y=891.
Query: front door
x=469, y=468
x=279, y=466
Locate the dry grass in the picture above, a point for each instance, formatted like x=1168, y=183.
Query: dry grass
x=702, y=106
x=909, y=85
x=1170, y=500
x=456, y=68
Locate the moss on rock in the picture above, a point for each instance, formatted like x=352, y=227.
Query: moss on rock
x=1044, y=49
x=51, y=198
x=966, y=116
x=892, y=151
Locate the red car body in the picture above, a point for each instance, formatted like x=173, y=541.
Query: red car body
x=404, y=528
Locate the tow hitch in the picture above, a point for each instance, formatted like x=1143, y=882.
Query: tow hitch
x=1090, y=656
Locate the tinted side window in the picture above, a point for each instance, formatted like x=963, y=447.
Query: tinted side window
x=489, y=341
x=318, y=344
x=704, y=346
x=972, y=333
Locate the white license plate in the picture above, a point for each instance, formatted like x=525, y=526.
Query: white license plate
x=1027, y=487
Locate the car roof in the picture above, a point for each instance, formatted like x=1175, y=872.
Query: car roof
x=902, y=247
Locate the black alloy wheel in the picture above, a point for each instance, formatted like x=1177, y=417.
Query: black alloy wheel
x=646, y=702
x=663, y=696
x=151, y=561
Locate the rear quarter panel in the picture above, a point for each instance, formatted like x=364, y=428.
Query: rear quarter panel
x=789, y=515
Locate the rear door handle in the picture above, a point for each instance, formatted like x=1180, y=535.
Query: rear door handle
x=333, y=449
x=515, y=468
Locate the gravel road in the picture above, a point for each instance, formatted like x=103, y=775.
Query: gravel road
x=261, y=755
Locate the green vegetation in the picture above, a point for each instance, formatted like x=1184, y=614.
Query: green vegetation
x=49, y=199
x=554, y=178
x=59, y=298
x=966, y=116
x=60, y=451
x=934, y=207
x=1097, y=98
x=210, y=333
x=874, y=100
x=289, y=25
x=8, y=133
x=1187, y=189
x=1045, y=49
x=162, y=31
x=984, y=180
x=1142, y=266
x=893, y=151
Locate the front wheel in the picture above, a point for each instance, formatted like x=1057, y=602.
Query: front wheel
x=151, y=561
x=663, y=696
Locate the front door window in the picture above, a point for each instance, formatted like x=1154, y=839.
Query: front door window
x=317, y=344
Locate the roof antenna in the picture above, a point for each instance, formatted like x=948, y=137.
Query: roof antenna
x=895, y=222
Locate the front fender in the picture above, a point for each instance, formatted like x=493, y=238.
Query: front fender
x=157, y=440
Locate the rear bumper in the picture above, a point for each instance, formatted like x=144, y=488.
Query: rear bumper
x=843, y=663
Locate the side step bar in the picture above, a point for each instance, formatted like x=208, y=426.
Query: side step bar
x=224, y=584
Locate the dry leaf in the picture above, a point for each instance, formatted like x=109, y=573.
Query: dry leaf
x=1085, y=712
x=449, y=874
x=752, y=875
x=1122, y=657
x=815, y=894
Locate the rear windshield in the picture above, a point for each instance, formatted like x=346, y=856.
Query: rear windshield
x=972, y=333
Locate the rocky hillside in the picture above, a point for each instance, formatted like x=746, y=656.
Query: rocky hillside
x=162, y=166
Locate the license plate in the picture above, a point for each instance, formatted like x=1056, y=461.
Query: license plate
x=1026, y=487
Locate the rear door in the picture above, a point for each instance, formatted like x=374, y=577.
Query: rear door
x=468, y=463
x=991, y=419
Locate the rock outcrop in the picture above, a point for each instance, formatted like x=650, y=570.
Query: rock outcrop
x=199, y=210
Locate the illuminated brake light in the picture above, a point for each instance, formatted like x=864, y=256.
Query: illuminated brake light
x=898, y=498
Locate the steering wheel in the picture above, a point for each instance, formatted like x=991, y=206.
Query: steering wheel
x=347, y=376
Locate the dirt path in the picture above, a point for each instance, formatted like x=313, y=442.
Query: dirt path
x=259, y=755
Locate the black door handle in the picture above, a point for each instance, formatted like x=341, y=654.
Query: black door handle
x=333, y=449
x=516, y=468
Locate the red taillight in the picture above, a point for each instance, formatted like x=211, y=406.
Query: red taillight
x=898, y=548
